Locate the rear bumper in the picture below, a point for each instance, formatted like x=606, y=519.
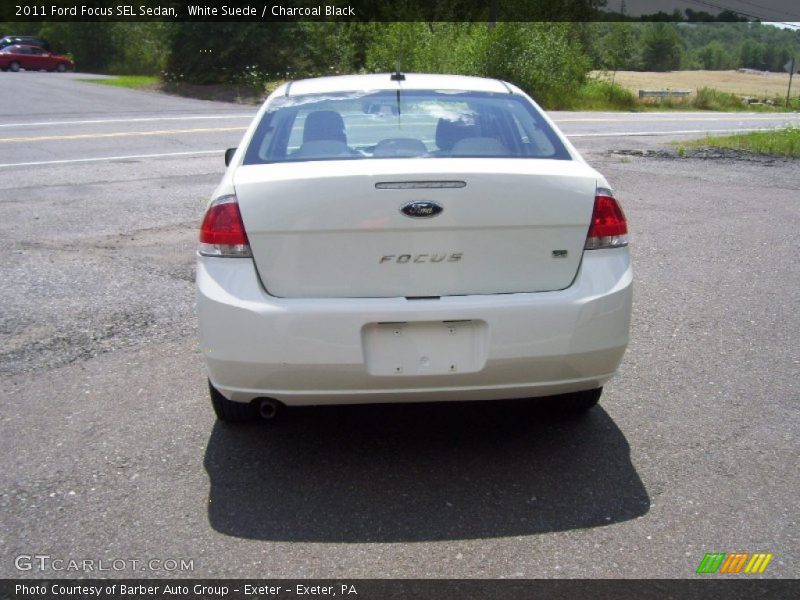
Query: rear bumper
x=312, y=351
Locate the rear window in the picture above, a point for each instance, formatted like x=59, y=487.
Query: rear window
x=411, y=124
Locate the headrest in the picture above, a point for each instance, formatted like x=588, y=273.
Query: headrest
x=324, y=125
x=479, y=146
x=449, y=131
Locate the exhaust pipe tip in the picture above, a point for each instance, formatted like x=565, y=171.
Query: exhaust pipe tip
x=268, y=408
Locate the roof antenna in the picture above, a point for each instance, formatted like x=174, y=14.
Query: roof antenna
x=397, y=75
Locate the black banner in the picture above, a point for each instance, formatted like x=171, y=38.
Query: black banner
x=397, y=10
x=418, y=589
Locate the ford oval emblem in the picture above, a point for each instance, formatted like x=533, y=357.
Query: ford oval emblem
x=421, y=209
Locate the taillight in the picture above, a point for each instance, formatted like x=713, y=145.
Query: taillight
x=222, y=232
x=609, y=229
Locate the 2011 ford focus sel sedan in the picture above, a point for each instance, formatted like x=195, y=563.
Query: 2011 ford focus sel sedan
x=397, y=238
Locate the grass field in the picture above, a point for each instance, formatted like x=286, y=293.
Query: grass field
x=768, y=85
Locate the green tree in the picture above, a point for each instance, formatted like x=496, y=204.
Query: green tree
x=427, y=47
x=545, y=59
x=714, y=57
x=618, y=47
x=752, y=54
x=208, y=52
x=335, y=47
x=140, y=48
x=662, y=49
x=90, y=44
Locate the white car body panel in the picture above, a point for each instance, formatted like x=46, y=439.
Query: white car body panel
x=321, y=229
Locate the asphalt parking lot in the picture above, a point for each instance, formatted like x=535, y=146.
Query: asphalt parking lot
x=109, y=448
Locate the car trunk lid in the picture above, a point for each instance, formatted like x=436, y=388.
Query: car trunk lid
x=337, y=228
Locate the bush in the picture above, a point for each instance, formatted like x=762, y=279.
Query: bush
x=711, y=99
x=603, y=95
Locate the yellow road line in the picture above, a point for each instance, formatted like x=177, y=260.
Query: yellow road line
x=115, y=134
x=89, y=136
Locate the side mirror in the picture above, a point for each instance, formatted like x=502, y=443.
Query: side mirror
x=229, y=155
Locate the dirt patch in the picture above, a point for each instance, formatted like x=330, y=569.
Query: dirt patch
x=708, y=153
x=29, y=345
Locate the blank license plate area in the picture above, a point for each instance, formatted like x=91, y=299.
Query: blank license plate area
x=424, y=348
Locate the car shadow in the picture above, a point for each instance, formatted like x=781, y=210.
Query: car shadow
x=420, y=472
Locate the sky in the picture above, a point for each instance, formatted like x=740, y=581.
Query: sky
x=780, y=11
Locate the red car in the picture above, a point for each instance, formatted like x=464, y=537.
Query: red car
x=33, y=58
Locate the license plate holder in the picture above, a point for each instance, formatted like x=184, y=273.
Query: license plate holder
x=424, y=348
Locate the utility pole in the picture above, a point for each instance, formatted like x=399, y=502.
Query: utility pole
x=790, y=66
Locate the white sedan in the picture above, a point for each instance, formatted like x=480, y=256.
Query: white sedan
x=406, y=238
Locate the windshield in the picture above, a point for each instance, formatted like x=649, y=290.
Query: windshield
x=405, y=124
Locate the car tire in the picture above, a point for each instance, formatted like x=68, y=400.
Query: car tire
x=229, y=411
x=580, y=402
x=14, y=66
x=61, y=67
